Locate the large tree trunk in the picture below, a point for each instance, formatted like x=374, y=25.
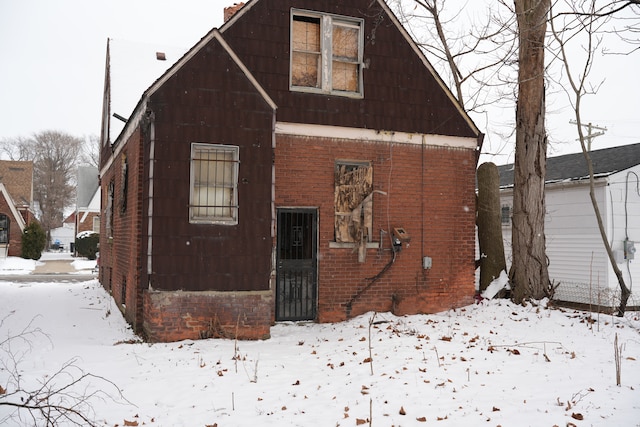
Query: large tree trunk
x=489, y=223
x=529, y=273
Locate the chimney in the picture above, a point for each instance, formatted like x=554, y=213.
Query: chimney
x=231, y=10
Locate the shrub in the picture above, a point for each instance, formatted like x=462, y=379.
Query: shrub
x=34, y=240
x=87, y=244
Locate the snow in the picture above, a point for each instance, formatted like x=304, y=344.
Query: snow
x=498, y=284
x=489, y=364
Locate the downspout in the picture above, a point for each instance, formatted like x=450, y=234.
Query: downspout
x=152, y=143
x=272, y=278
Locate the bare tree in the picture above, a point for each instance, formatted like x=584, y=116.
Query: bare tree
x=54, y=155
x=478, y=57
x=90, y=152
x=529, y=275
x=588, y=22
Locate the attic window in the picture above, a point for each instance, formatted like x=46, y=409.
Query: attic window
x=353, y=202
x=326, y=53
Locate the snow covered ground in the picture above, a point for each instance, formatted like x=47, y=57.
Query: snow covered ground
x=491, y=364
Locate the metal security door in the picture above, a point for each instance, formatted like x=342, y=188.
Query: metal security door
x=296, y=275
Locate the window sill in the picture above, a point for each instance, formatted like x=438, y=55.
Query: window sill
x=340, y=245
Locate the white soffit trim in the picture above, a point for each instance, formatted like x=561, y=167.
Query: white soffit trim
x=16, y=215
x=323, y=131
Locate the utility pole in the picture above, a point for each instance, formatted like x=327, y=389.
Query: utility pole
x=590, y=134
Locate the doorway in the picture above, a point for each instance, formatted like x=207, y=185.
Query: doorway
x=296, y=271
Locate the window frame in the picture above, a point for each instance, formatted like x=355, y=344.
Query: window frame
x=327, y=23
x=506, y=213
x=233, y=184
x=337, y=236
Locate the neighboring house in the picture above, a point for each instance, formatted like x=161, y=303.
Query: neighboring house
x=16, y=197
x=302, y=162
x=87, y=214
x=62, y=237
x=578, y=262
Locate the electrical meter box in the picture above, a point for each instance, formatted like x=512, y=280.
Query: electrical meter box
x=629, y=249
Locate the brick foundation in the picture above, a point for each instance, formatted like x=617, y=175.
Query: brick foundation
x=175, y=316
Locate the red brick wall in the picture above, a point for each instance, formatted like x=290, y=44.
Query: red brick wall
x=87, y=224
x=174, y=316
x=430, y=193
x=120, y=256
x=15, y=234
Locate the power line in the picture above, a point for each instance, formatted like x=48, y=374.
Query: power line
x=591, y=135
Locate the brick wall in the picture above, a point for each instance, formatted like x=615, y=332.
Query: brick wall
x=87, y=224
x=120, y=256
x=173, y=316
x=429, y=192
x=15, y=234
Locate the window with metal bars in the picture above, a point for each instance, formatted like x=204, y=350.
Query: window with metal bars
x=214, y=184
x=326, y=53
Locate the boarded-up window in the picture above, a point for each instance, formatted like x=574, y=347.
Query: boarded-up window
x=326, y=53
x=108, y=213
x=353, y=202
x=305, y=57
x=214, y=184
x=345, y=57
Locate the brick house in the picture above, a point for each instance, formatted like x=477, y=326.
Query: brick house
x=16, y=199
x=302, y=162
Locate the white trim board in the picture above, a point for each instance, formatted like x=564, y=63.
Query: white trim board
x=324, y=131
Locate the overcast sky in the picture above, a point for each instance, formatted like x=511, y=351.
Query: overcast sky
x=52, y=57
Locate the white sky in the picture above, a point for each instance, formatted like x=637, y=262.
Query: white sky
x=53, y=54
x=52, y=57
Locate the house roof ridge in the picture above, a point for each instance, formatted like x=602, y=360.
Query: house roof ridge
x=573, y=167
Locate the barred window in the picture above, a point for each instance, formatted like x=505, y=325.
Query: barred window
x=326, y=53
x=214, y=184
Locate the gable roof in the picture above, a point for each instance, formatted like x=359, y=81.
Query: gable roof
x=140, y=107
x=16, y=215
x=131, y=68
x=87, y=185
x=138, y=111
x=573, y=167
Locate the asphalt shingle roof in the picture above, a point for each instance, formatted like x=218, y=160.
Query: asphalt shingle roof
x=573, y=167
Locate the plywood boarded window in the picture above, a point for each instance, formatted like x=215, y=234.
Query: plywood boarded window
x=214, y=184
x=326, y=53
x=353, y=202
x=305, y=57
x=108, y=213
x=345, y=57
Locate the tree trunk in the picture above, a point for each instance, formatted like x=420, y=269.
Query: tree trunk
x=529, y=273
x=489, y=223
